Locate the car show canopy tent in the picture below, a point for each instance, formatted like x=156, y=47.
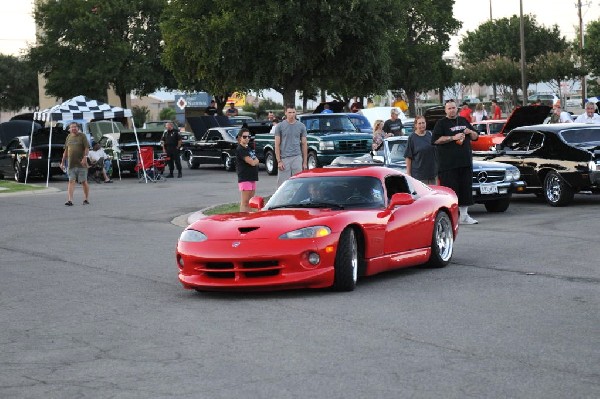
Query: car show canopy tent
x=79, y=107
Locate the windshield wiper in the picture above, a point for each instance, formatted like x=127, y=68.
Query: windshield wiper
x=310, y=205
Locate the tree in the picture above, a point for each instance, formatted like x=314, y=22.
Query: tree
x=18, y=84
x=221, y=47
x=591, y=51
x=554, y=68
x=167, y=114
x=418, y=45
x=497, y=69
x=86, y=48
x=498, y=41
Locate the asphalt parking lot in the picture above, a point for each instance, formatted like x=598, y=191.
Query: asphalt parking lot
x=91, y=307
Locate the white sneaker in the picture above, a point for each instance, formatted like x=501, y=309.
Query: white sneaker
x=467, y=220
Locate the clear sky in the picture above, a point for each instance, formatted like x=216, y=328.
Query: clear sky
x=17, y=26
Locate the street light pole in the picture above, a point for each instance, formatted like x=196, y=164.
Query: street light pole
x=523, y=70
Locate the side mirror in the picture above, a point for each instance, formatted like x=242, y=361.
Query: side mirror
x=401, y=199
x=257, y=203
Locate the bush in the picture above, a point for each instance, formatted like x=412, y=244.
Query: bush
x=167, y=114
x=140, y=115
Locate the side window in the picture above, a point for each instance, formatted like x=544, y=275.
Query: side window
x=214, y=136
x=396, y=184
x=14, y=145
x=517, y=141
x=536, y=141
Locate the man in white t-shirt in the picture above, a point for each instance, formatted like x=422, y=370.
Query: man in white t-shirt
x=99, y=159
x=589, y=116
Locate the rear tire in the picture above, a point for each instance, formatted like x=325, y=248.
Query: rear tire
x=229, y=163
x=271, y=163
x=499, y=205
x=442, y=241
x=346, y=262
x=556, y=191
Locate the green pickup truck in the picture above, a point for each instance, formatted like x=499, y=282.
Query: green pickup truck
x=329, y=136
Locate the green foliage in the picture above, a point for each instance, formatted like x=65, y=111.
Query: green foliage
x=86, y=48
x=264, y=107
x=167, y=114
x=502, y=37
x=18, y=84
x=140, y=115
x=554, y=68
x=592, y=47
x=221, y=47
x=417, y=46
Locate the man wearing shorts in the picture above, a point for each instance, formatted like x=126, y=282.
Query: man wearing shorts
x=291, y=147
x=452, y=136
x=76, y=153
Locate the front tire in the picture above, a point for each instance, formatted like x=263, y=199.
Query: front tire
x=346, y=262
x=19, y=173
x=270, y=163
x=556, y=191
x=312, y=161
x=499, y=205
x=442, y=241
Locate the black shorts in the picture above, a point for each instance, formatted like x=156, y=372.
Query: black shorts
x=461, y=181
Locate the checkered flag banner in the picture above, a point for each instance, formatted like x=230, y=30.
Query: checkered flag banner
x=81, y=107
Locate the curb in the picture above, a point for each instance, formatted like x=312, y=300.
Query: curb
x=47, y=190
x=187, y=219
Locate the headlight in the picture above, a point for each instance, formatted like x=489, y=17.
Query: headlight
x=326, y=145
x=513, y=174
x=593, y=166
x=307, y=232
x=192, y=236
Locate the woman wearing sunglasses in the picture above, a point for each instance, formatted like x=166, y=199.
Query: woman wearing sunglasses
x=247, y=169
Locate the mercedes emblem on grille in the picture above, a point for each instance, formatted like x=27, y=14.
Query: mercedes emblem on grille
x=482, y=176
x=235, y=244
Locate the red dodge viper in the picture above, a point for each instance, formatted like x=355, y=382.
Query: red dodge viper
x=322, y=228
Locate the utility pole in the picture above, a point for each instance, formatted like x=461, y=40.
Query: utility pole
x=494, y=90
x=583, y=78
x=523, y=70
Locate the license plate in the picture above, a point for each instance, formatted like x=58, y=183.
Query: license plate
x=488, y=189
x=55, y=164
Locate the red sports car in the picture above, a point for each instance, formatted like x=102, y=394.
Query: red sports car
x=322, y=228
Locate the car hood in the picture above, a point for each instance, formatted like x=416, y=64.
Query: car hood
x=268, y=224
x=526, y=116
x=486, y=165
x=342, y=135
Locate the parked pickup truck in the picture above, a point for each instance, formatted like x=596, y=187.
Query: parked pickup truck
x=329, y=136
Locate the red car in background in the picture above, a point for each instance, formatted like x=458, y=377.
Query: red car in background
x=322, y=228
x=490, y=134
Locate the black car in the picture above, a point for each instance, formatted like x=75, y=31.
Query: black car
x=128, y=148
x=14, y=161
x=493, y=182
x=216, y=147
x=556, y=160
x=15, y=128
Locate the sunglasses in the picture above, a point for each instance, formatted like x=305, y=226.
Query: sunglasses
x=450, y=101
x=245, y=137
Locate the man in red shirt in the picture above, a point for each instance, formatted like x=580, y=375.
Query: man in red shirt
x=496, y=110
x=466, y=112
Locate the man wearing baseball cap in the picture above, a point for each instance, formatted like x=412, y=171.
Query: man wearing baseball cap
x=394, y=124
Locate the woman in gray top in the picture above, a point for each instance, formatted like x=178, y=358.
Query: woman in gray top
x=421, y=159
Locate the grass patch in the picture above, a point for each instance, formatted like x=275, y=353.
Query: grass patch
x=226, y=208
x=223, y=208
x=13, y=187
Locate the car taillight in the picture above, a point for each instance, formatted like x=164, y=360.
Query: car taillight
x=36, y=155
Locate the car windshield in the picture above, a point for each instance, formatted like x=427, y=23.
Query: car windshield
x=580, y=136
x=339, y=192
x=397, y=149
x=328, y=124
x=232, y=132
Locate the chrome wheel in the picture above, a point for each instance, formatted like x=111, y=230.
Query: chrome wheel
x=556, y=191
x=312, y=161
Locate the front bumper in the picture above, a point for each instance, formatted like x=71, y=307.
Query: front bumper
x=496, y=191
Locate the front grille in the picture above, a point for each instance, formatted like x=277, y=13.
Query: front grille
x=354, y=146
x=488, y=176
x=233, y=270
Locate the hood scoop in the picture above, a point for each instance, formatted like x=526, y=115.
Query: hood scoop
x=246, y=230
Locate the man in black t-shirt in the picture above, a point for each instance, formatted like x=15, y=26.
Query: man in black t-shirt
x=211, y=109
x=171, y=142
x=394, y=124
x=453, y=135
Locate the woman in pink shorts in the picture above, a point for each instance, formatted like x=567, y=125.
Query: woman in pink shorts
x=247, y=169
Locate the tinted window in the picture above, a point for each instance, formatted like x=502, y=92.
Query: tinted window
x=329, y=124
x=578, y=136
x=536, y=141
